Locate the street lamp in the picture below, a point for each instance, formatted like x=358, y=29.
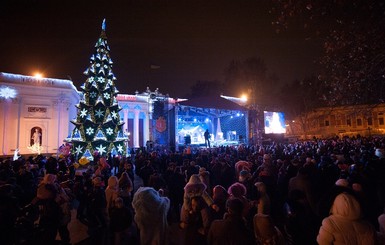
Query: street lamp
x=38, y=75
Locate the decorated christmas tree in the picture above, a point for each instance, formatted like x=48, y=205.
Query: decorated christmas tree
x=98, y=127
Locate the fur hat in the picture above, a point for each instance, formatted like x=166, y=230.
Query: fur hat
x=194, y=182
x=147, y=201
x=237, y=190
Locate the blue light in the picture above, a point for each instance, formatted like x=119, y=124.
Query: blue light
x=195, y=120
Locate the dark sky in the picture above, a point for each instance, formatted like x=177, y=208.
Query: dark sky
x=190, y=40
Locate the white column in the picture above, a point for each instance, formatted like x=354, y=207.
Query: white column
x=146, y=129
x=125, y=120
x=136, y=128
x=18, y=122
x=5, y=111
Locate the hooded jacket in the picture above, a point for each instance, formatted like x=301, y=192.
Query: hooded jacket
x=345, y=224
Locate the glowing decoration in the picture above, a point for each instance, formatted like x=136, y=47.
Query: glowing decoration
x=7, y=93
x=109, y=131
x=101, y=149
x=89, y=131
x=120, y=149
x=98, y=105
x=78, y=150
x=93, y=94
x=114, y=114
x=99, y=113
x=35, y=148
x=83, y=113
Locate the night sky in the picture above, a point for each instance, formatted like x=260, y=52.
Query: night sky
x=190, y=40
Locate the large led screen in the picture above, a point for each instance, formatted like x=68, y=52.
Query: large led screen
x=274, y=122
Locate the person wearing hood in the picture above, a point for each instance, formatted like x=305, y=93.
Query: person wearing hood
x=345, y=224
x=151, y=216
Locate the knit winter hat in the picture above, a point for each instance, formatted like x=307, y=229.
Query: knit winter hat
x=237, y=190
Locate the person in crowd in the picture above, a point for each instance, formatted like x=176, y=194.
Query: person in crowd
x=198, y=222
x=193, y=188
x=263, y=202
x=265, y=231
x=345, y=225
x=247, y=180
x=97, y=205
x=126, y=187
x=207, y=138
x=112, y=192
x=204, y=176
x=151, y=216
x=238, y=190
x=50, y=212
x=220, y=197
x=232, y=229
x=121, y=220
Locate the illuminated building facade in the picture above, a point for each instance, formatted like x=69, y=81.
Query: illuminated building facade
x=35, y=113
x=364, y=120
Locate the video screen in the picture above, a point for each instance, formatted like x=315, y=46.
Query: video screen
x=274, y=122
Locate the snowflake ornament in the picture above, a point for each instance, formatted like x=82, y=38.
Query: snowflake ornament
x=89, y=131
x=101, y=149
x=107, y=96
x=78, y=149
x=99, y=113
x=109, y=131
x=83, y=113
x=120, y=149
x=93, y=94
x=7, y=93
x=114, y=114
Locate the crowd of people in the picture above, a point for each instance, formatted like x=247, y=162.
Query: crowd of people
x=320, y=191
